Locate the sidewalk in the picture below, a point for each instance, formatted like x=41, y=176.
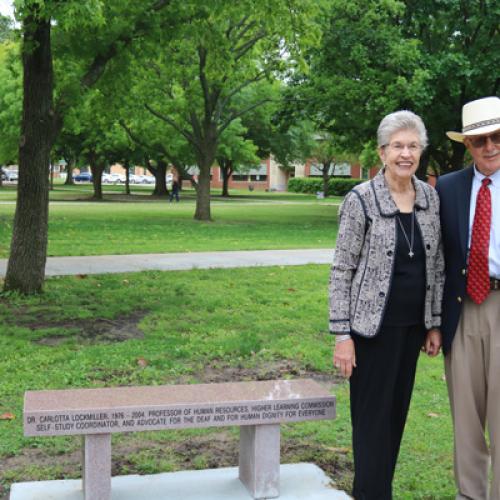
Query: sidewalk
x=101, y=264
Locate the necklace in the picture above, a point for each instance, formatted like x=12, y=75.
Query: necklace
x=410, y=240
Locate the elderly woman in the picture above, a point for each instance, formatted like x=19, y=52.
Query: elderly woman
x=385, y=297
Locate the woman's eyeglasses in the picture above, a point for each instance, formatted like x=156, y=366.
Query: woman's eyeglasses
x=399, y=147
x=480, y=140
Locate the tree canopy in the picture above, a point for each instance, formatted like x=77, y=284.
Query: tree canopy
x=429, y=56
x=190, y=83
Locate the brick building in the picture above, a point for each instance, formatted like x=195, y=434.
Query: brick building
x=268, y=176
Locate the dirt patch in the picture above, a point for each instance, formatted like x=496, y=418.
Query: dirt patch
x=270, y=370
x=98, y=330
x=336, y=462
x=89, y=330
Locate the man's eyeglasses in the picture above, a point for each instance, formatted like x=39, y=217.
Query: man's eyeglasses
x=399, y=147
x=480, y=140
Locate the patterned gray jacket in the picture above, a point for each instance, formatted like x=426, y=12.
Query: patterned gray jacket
x=362, y=268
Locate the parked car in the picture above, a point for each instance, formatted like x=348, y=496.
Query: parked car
x=136, y=179
x=118, y=178
x=9, y=175
x=113, y=178
x=83, y=177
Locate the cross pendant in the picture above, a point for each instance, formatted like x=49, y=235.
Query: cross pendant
x=411, y=254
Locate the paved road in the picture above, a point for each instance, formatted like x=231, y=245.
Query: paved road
x=61, y=266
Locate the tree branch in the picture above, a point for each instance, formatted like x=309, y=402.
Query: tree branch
x=243, y=49
x=196, y=126
x=259, y=76
x=202, y=54
x=172, y=123
x=237, y=114
x=161, y=150
x=135, y=138
x=236, y=26
x=99, y=63
x=246, y=27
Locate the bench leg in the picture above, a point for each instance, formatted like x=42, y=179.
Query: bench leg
x=260, y=460
x=96, y=474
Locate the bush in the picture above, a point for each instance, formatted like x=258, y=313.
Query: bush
x=336, y=186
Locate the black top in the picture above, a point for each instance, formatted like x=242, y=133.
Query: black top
x=405, y=306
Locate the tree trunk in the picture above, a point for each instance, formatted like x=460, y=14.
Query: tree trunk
x=97, y=169
x=70, y=165
x=127, y=177
x=208, y=142
x=225, y=183
x=203, y=195
x=28, y=253
x=160, y=173
x=325, y=172
x=226, y=168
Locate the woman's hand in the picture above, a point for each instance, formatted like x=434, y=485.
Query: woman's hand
x=344, y=357
x=433, y=342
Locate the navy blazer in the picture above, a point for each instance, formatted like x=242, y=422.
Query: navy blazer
x=454, y=191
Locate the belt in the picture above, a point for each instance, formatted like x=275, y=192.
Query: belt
x=494, y=284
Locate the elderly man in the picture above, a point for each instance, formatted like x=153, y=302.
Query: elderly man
x=470, y=220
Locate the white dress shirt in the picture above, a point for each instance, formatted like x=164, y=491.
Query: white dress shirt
x=494, y=186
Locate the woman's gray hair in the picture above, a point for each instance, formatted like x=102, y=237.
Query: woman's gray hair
x=401, y=120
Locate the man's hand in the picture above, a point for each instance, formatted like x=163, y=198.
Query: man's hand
x=344, y=357
x=433, y=342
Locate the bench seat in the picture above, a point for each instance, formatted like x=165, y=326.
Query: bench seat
x=258, y=408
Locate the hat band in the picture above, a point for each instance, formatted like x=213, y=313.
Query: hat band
x=484, y=123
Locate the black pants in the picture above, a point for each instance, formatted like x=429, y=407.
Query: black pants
x=381, y=387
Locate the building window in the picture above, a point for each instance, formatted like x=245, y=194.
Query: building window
x=338, y=170
x=253, y=174
x=249, y=177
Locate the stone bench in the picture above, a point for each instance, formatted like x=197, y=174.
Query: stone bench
x=257, y=407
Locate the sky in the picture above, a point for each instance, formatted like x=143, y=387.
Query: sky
x=6, y=7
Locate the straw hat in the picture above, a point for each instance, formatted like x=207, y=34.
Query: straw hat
x=478, y=117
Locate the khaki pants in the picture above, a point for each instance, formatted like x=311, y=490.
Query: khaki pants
x=473, y=377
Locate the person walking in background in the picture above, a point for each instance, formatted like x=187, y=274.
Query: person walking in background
x=174, y=192
x=470, y=218
x=385, y=297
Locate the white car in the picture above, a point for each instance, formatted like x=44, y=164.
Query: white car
x=137, y=179
x=9, y=175
x=113, y=178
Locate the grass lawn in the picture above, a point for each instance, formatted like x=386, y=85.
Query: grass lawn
x=123, y=225
x=197, y=326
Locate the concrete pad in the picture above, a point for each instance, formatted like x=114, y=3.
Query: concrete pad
x=298, y=482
